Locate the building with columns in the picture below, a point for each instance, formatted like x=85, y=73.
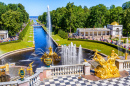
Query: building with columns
x=3, y=34
x=113, y=29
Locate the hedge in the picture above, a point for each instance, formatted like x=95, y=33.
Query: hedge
x=63, y=34
x=10, y=42
x=23, y=33
x=109, y=44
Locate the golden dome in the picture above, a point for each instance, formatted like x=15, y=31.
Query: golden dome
x=114, y=23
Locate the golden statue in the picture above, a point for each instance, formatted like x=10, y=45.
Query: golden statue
x=48, y=61
x=107, y=69
x=126, y=54
x=48, y=58
x=50, y=51
x=6, y=66
x=4, y=73
x=85, y=60
x=30, y=69
x=21, y=74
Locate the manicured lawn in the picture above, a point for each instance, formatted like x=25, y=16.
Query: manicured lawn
x=23, y=44
x=85, y=44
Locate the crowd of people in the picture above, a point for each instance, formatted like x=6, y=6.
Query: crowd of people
x=8, y=39
x=100, y=38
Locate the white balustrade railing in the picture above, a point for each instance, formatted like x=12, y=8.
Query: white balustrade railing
x=60, y=70
x=66, y=69
x=12, y=83
x=122, y=64
x=33, y=80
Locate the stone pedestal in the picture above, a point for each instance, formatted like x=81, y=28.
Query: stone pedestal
x=23, y=83
x=86, y=68
x=41, y=76
x=47, y=74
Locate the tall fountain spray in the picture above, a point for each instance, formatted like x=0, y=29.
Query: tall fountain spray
x=80, y=55
x=49, y=28
x=69, y=54
x=119, y=43
x=127, y=45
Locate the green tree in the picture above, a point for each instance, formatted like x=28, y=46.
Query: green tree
x=126, y=5
x=11, y=21
x=126, y=21
x=116, y=14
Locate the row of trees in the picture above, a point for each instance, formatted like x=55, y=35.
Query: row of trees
x=71, y=17
x=12, y=17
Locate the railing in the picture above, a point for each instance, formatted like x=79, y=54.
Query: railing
x=92, y=29
x=123, y=64
x=33, y=80
x=60, y=70
x=65, y=69
x=12, y=83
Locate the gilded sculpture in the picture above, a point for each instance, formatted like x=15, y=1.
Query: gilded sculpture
x=30, y=69
x=107, y=68
x=51, y=57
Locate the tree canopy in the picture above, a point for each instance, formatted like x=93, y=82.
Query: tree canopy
x=12, y=16
x=71, y=17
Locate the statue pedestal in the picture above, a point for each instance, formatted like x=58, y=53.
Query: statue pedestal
x=47, y=74
x=86, y=68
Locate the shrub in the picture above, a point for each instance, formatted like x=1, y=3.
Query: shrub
x=125, y=40
x=63, y=34
x=10, y=42
x=23, y=33
x=109, y=44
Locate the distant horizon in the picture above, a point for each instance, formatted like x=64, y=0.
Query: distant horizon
x=36, y=8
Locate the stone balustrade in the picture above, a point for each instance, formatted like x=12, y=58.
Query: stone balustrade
x=33, y=80
x=61, y=70
x=67, y=70
x=123, y=64
x=52, y=71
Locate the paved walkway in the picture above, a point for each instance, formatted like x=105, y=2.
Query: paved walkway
x=74, y=81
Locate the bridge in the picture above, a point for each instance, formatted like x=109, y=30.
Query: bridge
x=36, y=25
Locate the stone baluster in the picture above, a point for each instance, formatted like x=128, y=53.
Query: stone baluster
x=82, y=69
x=66, y=70
x=30, y=82
x=129, y=64
x=123, y=65
x=77, y=70
x=57, y=71
x=52, y=72
x=60, y=70
x=70, y=70
x=73, y=69
x=63, y=70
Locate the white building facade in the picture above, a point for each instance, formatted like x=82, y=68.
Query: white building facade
x=113, y=29
x=3, y=34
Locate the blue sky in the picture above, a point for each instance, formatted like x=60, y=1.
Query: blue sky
x=37, y=7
